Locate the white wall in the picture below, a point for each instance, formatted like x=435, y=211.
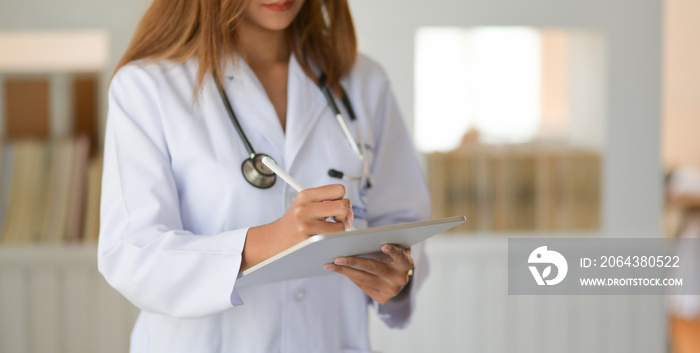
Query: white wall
x=587, y=93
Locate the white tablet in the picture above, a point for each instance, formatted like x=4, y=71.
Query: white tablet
x=307, y=258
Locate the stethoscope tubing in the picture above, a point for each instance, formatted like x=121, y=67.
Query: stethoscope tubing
x=362, y=151
x=234, y=119
x=339, y=116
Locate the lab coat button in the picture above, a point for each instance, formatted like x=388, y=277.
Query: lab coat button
x=300, y=294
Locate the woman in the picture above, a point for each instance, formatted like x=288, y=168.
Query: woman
x=179, y=220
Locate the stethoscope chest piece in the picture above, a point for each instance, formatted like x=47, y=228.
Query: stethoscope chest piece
x=256, y=173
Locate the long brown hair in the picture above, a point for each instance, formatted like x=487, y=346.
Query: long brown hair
x=178, y=30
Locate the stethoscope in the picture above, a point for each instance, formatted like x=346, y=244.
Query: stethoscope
x=260, y=176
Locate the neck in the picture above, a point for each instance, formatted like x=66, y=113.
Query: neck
x=262, y=47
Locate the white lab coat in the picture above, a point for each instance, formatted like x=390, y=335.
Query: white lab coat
x=176, y=209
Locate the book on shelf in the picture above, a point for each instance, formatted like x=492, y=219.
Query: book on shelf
x=62, y=159
x=49, y=191
x=27, y=199
x=91, y=222
x=78, y=189
x=7, y=156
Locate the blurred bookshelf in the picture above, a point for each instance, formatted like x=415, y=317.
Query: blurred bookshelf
x=538, y=187
x=50, y=154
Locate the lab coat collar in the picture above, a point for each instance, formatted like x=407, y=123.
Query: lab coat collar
x=305, y=106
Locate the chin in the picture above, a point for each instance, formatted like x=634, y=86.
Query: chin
x=274, y=24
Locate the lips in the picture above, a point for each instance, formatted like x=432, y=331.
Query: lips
x=280, y=6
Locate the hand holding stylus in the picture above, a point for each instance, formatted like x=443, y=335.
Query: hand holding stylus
x=305, y=217
x=295, y=184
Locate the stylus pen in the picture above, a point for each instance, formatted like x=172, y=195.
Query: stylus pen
x=290, y=180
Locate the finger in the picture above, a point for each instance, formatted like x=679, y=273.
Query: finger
x=391, y=273
x=360, y=278
x=400, y=257
x=323, y=227
x=351, y=214
x=322, y=193
x=376, y=287
x=322, y=210
x=371, y=266
x=374, y=293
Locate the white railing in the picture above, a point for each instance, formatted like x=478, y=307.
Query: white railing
x=52, y=299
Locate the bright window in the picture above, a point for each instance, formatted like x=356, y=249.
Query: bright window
x=511, y=84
